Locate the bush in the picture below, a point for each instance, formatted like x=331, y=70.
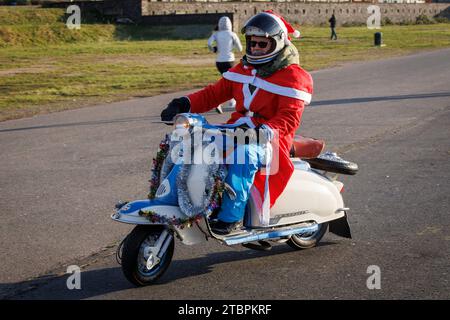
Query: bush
x=386, y=21
x=423, y=19
x=406, y=23
x=442, y=20
x=353, y=24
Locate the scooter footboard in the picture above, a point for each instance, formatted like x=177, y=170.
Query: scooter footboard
x=147, y=212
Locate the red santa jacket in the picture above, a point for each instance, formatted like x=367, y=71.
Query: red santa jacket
x=278, y=102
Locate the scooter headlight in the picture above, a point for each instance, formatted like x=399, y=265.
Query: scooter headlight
x=182, y=122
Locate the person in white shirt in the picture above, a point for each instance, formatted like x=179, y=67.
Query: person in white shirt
x=225, y=42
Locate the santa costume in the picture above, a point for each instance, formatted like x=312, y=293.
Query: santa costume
x=271, y=96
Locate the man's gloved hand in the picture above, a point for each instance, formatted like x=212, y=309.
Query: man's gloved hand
x=176, y=106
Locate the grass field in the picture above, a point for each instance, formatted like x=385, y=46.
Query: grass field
x=45, y=67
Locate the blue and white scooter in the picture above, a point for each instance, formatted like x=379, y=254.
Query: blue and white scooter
x=185, y=199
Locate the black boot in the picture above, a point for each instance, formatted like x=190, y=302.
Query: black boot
x=223, y=228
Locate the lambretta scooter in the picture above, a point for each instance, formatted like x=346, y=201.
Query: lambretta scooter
x=185, y=198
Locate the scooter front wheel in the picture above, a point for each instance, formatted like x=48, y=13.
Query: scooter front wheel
x=136, y=254
x=310, y=240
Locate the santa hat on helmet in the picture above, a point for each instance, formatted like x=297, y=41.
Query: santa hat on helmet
x=284, y=25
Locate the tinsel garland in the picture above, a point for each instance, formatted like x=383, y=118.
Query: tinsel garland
x=177, y=222
x=158, y=162
x=213, y=203
x=214, y=189
x=162, y=165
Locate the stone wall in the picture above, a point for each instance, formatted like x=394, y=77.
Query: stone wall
x=298, y=12
x=105, y=8
x=185, y=19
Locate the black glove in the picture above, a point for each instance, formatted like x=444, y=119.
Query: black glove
x=214, y=49
x=176, y=106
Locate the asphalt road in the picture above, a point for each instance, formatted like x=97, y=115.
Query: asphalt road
x=62, y=173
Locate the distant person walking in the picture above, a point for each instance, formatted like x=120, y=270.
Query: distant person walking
x=332, y=22
x=225, y=41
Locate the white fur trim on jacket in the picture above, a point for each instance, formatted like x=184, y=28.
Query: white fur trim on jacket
x=268, y=86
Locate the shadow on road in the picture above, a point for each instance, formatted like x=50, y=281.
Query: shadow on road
x=85, y=123
x=150, y=119
x=380, y=98
x=314, y=104
x=103, y=281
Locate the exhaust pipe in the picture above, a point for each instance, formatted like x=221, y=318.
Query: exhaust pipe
x=262, y=235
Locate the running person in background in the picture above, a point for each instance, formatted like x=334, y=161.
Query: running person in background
x=225, y=41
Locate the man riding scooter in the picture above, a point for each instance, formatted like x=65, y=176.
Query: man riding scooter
x=271, y=90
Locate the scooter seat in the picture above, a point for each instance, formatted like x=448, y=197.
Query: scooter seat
x=306, y=148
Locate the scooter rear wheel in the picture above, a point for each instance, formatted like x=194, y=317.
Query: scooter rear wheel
x=305, y=242
x=133, y=263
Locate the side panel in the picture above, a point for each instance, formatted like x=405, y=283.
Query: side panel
x=308, y=196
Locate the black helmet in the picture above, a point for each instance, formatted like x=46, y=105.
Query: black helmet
x=270, y=25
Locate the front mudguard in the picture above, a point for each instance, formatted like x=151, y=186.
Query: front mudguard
x=130, y=213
